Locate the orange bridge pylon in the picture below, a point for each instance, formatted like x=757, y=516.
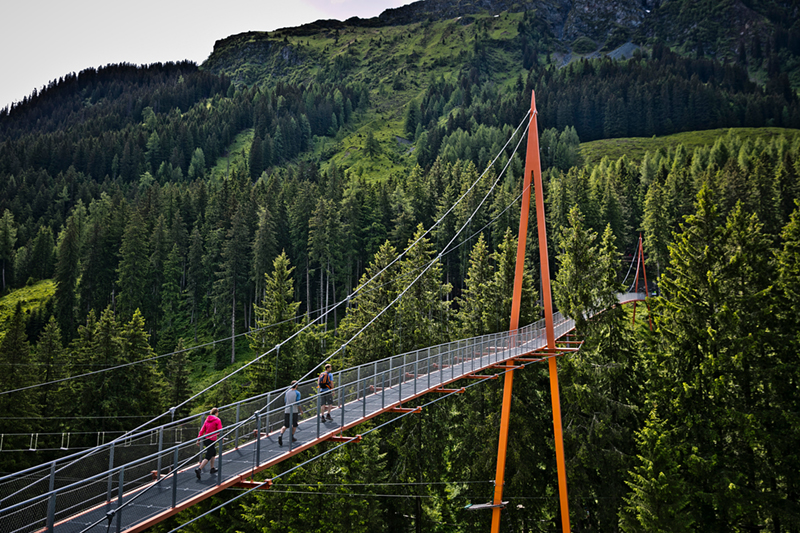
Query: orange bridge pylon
x=533, y=170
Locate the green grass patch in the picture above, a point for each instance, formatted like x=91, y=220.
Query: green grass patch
x=636, y=147
x=32, y=297
x=237, y=154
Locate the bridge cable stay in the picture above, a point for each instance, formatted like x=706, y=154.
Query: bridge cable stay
x=230, y=337
x=357, y=334
x=630, y=267
x=331, y=309
x=460, y=231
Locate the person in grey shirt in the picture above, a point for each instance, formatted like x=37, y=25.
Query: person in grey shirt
x=292, y=411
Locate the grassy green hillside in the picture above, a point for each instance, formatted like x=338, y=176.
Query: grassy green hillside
x=635, y=148
x=33, y=297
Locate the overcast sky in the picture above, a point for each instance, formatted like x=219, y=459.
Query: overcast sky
x=42, y=40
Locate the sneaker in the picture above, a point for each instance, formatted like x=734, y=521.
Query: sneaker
x=294, y=439
x=280, y=440
x=213, y=470
x=197, y=472
x=329, y=417
x=322, y=418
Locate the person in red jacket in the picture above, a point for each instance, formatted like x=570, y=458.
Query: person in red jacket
x=211, y=428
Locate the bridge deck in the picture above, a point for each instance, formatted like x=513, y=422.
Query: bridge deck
x=114, y=486
x=172, y=493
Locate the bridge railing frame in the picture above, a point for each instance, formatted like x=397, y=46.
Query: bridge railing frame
x=51, y=491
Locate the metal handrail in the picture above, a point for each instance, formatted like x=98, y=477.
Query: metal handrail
x=349, y=381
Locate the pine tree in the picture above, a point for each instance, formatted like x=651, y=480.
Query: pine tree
x=275, y=322
x=15, y=354
x=501, y=288
x=172, y=302
x=196, y=280
x=575, y=288
x=133, y=267
x=231, y=285
x=176, y=375
x=138, y=388
x=15, y=357
x=659, y=496
x=474, y=304
x=256, y=159
x=42, y=258
x=656, y=228
x=51, y=360
x=376, y=290
x=264, y=251
x=8, y=238
x=67, y=277
x=424, y=310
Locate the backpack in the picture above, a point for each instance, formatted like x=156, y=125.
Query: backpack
x=324, y=380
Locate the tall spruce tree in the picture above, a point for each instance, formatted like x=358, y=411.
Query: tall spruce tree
x=133, y=268
x=8, y=238
x=424, y=310
x=275, y=322
x=231, y=285
x=66, y=277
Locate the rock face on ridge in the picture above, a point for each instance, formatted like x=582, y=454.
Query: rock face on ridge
x=568, y=19
x=718, y=30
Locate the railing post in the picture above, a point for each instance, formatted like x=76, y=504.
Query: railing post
x=390, y=370
x=341, y=397
x=268, y=427
x=428, y=367
x=110, y=475
x=452, y=363
x=319, y=411
x=383, y=389
x=258, y=438
x=236, y=432
x=175, y=477
x=119, y=501
x=363, y=387
x=160, y=447
x=51, y=505
x=415, y=376
x=400, y=379
x=291, y=426
x=219, y=457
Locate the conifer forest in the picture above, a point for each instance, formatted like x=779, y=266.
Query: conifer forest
x=173, y=221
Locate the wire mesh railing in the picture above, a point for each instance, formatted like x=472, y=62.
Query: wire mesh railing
x=160, y=460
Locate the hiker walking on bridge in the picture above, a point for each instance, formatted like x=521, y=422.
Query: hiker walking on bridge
x=291, y=412
x=210, y=430
x=325, y=383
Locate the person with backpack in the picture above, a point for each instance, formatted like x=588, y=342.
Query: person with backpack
x=210, y=431
x=291, y=412
x=325, y=383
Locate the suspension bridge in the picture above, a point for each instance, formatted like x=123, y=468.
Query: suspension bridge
x=146, y=476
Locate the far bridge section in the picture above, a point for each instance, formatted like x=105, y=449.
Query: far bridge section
x=133, y=483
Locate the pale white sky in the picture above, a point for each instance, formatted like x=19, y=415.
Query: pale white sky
x=43, y=40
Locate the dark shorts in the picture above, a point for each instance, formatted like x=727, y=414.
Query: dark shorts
x=289, y=420
x=327, y=398
x=211, y=448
